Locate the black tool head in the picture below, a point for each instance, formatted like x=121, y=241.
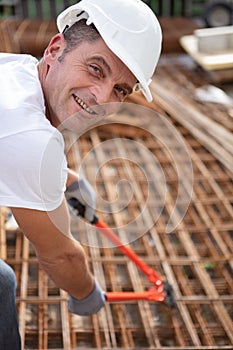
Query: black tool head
x=170, y=299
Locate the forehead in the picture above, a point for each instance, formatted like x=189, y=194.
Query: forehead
x=99, y=52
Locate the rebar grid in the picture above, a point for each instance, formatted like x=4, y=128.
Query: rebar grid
x=196, y=258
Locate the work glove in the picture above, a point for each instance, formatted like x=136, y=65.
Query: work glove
x=89, y=305
x=85, y=194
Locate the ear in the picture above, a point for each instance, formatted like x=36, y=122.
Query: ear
x=54, y=49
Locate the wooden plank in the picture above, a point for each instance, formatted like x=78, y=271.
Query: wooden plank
x=209, y=61
x=197, y=123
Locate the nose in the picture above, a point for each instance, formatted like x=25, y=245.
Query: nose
x=103, y=92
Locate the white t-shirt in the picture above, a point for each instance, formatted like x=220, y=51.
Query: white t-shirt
x=33, y=167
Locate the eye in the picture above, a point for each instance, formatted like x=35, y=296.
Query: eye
x=95, y=69
x=121, y=91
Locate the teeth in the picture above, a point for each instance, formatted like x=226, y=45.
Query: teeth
x=83, y=105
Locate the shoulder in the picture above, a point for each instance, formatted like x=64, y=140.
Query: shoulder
x=35, y=170
x=16, y=59
x=17, y=63
x=21, y=81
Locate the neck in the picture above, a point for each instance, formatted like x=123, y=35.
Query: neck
x=43, y=69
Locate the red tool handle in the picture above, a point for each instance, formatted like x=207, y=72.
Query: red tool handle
x=151, y=295
x=151, y=274
x=162, y=290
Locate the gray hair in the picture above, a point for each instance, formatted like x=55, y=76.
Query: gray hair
x=78, y=33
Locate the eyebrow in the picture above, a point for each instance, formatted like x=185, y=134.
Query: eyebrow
x=104, y=63
x=108, y=68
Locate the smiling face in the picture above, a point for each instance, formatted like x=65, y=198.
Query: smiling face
x=88, y=75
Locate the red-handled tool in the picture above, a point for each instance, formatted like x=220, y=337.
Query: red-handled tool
x=161, y=292
x=151, y=295
x=152, y=276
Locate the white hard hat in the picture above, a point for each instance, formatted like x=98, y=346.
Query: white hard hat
x=129, y=28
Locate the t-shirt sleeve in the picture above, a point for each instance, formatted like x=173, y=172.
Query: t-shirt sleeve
x=34, y=170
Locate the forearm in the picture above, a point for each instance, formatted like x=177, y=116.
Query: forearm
x=69, y=269
x=60, y=255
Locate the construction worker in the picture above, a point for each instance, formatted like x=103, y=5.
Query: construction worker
x=103, y=50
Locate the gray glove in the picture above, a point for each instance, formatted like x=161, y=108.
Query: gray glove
x=84, y=192
x=89, y=305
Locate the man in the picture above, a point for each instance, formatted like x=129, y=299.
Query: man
x=104, y=49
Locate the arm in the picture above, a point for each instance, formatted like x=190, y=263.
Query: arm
x=60, y=255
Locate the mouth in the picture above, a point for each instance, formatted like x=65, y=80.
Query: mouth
x=83, y=105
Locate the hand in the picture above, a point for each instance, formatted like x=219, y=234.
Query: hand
x=89, y=305
x=84, y=192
